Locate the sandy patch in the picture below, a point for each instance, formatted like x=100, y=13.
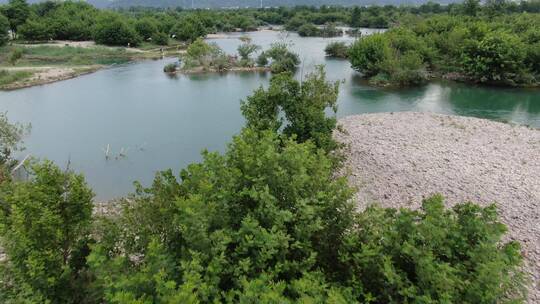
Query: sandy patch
x=48, y=74
x=396, y=159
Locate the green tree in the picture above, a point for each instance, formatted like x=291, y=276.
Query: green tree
x=189, y=29
x=146, y=28
x=11, y=137
x=245, y=50
x=44, y=227
x=368, y=53
x=17, y=11
x=35, y=29
x=497, y=57
x=471, y=7
x=257, y=223
x=337, y=49
x=283, y=60
x=303, y=105
x=111, y=29
x=4, y=30
x=432, y=255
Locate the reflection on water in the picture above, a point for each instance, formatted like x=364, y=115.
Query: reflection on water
x=164, y=122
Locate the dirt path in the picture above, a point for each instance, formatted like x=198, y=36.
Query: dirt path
x=398, y=159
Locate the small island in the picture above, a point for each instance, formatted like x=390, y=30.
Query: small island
x=203, y=57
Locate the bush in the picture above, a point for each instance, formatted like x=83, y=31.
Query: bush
x=189, y=29
x=146, y=28
x=432, y=256
x=170, y=68
x=257, y=222
x=36, y=30
x=308, y=30
x=113, y=30
x=45, y=224
x=337, y=49
x=283, y=60
x=4, y=30
x=15, y=54
x=160, y=38
x=368, y=53
x=498, y=57
x=262, y=60
x=302, y=105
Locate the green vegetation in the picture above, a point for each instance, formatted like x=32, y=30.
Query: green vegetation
x=208, y=57
x=45, y=55
x=282, y=59
x=310, y=30
x=9, y=77
x=302, y=106
x=47, y=258
x=11, y=139
x=267, y=221
x=495, y=50
x=169, y=68
x=337, y=49
x=4, y=30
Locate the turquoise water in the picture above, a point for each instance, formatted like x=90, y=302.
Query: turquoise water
x=160, y=122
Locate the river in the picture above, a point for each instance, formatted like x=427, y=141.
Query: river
x=160, y=122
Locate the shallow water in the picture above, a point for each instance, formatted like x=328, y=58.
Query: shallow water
x=160, y=122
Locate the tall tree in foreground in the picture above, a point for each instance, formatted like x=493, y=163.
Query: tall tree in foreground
x=303, y=105
x=4, y=30
x=44, y=229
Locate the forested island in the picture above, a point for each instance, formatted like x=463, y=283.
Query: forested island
x=275, y=218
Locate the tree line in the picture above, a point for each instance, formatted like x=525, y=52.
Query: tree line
x=77, y=20
x=501, y=49
x=268, y=221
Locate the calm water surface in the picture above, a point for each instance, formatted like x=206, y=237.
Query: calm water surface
x=161, y=122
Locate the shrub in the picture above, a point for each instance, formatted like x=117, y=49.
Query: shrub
x=432, y=255
x=4, y=30
x=146, y=28
x=308, y=30
x=283, y=60
x=44, y=227
x=113, y=30
x=368, y=53
x=169, y=68
x=498, y=57
x=160, y=38
x=262, y=60
x=36, y=30
x=337, y=49
x=15, y=54
x=189, y=29
x=254, y=224
x=246, y=49
x=303, y=106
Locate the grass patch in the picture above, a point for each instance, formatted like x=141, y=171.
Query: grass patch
x=9, y=77
x=45, y=55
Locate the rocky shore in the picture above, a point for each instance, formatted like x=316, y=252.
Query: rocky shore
x=396, y=159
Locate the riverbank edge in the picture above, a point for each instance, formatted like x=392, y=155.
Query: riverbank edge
x=75, y=71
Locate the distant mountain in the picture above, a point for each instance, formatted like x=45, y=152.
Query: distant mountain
x=242, y=3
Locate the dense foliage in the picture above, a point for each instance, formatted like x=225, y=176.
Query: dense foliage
x=45, y=225
x=496, y=50
x=282, y=59
x=4, y=30
x=302, y=105
x=337, y=49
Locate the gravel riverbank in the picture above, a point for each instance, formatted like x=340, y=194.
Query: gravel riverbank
x=396, y=159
